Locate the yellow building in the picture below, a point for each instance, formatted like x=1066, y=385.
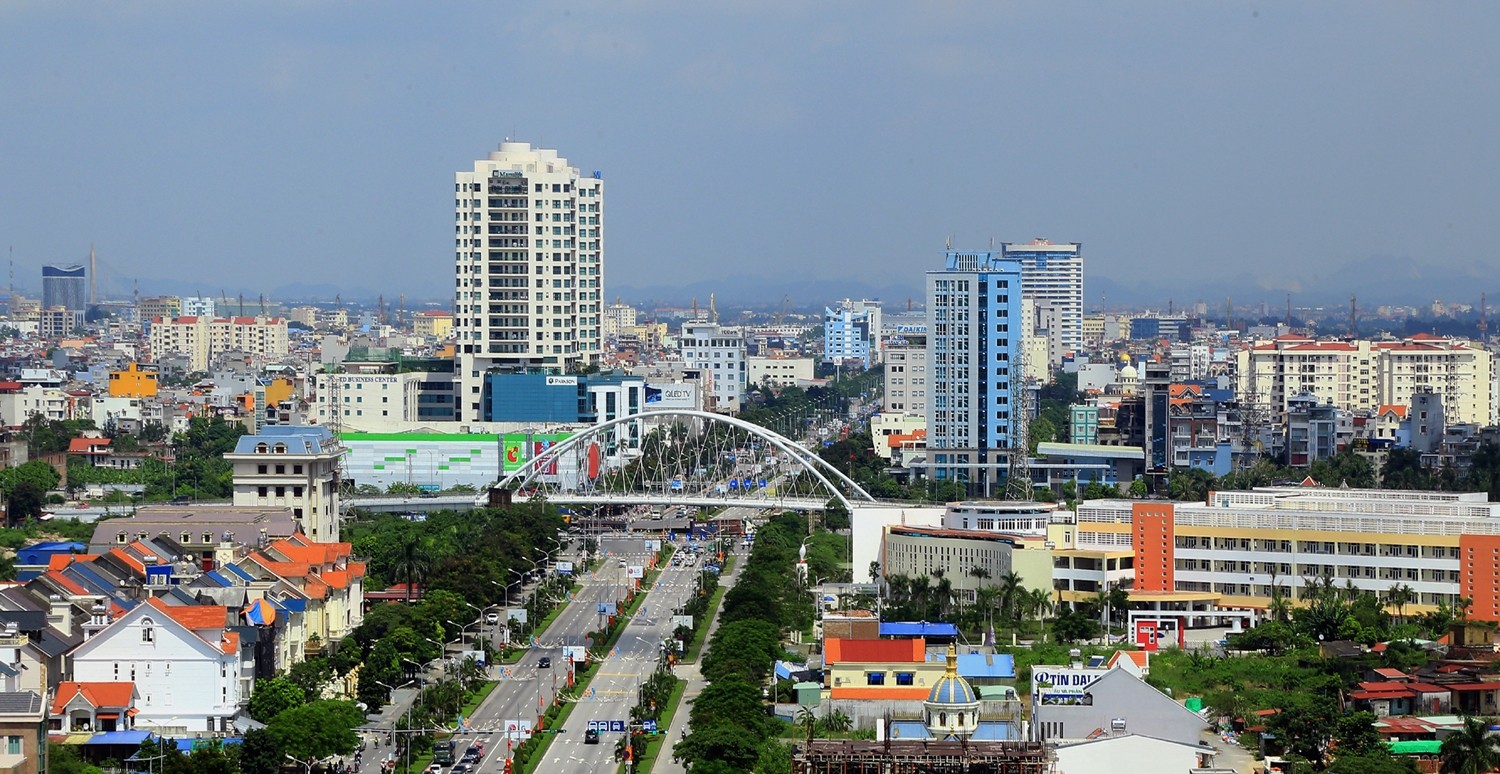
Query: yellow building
x=132, y=383
x=433, y=322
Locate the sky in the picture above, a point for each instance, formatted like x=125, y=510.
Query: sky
x=1196, y=149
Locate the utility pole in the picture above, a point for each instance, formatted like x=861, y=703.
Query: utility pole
x=1018, y=479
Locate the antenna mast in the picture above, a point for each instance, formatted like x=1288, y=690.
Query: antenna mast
x=1018, y=479
x=1484, y=325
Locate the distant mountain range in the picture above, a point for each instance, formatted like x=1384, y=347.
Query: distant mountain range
x=1375, y=280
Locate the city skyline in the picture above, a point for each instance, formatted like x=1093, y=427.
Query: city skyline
x=1200, y=151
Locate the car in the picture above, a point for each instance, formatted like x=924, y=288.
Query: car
x=622, y=562
x=591, y=736
x=436, y=768
x=544, y=662
x=492, y=619
x=460, y=768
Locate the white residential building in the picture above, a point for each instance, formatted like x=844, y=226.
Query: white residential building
x=718, y=352
x=203, y=338
x=184, y=661
x=1052, y=278
x=528, y=254
x=295, y=467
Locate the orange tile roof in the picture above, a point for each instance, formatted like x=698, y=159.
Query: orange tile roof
x=1391, y=408
x=837, y=650
x=231, y=642
x=68, y=584
x=901, y=692
x=98, y=695
x=88, y=446
x=195, y=617
x=338, y=579
x=59, y=561
x=129, y=561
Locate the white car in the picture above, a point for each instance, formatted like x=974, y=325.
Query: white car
x=492, y=619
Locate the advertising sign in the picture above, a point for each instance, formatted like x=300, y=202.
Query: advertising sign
x=653, y=545
x=609, y=608
x=575, y=653
x=635, y=571
x=671, y=396
x=562, y=381
x=517, y=614
x=520, y=447
x=564, y=568
x=518, y=729
x=1151, y=635
x=682, y=620
x=1063, y=685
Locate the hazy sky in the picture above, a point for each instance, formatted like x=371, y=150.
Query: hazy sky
x=1193, y=145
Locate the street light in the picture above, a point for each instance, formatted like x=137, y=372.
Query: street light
x=309, y=764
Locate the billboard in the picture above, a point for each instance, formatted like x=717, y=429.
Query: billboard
x=671, y=396
x=564, y=568
x=575, y=653
x=517, y=614
x=518, y=448
x=635, y=571
x=653, y=545
x=1063, y=685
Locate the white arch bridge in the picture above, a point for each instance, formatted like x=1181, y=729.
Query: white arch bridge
x=683, y=457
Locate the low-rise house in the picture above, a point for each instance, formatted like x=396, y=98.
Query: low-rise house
x=78, y=707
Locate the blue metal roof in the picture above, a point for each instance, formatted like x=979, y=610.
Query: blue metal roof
x=918, y=629
x=214, y=576
x=247, y=577
x=298, y=439
x=291, y=604
x=996, y=731
x=971, y=665
x=119, y=737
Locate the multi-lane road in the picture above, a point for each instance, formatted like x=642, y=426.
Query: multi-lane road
x=526, y=686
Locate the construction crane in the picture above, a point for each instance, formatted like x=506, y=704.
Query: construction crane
x=786, y=301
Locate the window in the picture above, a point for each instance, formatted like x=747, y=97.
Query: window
x=261, y=491
x=186, y=538
x=874, y=678
x=297, y=469
x=280, y=470
x=905, y=678
x=207, y=538
x=13, y=745
x=261, y=469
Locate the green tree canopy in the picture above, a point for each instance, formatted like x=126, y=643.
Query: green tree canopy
x=317, y=730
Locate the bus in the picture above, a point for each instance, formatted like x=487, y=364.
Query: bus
x=443, y=750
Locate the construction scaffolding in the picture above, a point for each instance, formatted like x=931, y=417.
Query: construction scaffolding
x=915, y=756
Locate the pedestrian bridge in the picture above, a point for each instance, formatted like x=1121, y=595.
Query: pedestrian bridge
x=683, y=457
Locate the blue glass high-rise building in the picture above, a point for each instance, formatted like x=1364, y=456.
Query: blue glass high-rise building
x=64, y=286
x=973, y=367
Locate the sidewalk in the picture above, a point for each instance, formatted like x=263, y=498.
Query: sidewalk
x=695, y=683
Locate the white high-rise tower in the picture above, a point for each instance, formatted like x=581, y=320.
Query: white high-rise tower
x=528, y=245
x=1052, y=278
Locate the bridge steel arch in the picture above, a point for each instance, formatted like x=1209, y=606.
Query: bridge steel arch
x=810, y=462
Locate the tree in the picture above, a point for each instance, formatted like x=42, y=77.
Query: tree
x=259, y=753
x=809, y=723
x=25, y=503
x=317, y=730
x=274, y=695
x=1471, y=749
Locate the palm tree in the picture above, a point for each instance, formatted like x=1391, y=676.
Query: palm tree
x=1399, y=596
x=1010, y=587
x=412, y=565
x=1472, y=749
x=1043, y=604
x=986, y=599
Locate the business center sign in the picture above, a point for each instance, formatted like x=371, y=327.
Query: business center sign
x=671, y=396
x=1061, y=685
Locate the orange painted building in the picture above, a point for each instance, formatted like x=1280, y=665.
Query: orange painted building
x=1154, y=540
x=132, y=383
x=1479, y=574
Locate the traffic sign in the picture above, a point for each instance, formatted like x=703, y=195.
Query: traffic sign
x=617, y=726
x=649, y=726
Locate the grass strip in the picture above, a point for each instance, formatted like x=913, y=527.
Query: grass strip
x=658, y=742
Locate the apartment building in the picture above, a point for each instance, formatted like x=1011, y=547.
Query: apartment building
x=1052, y=279
x=294, y=467
x=1444, y=545
x=528, y=255
x=718, y=353
x=201, y=339
x=851, y=333
x=1361, y=376
x=906, y=375
x=778, y=371
x=974, y=337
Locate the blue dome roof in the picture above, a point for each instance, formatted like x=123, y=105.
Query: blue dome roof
x=951, y=689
